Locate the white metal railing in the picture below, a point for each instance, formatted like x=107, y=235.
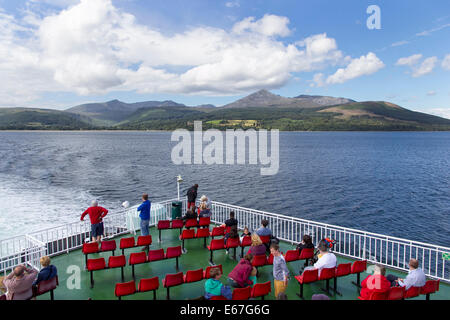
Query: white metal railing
x=390, y=251
x=376, y=248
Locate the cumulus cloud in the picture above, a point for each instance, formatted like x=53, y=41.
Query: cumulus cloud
x=409, y=61
x=426, y=67
x=441, y=112
x=418, y=70
x=446, y=62
x=364, y=65
x=431, y=93
x=93, y=47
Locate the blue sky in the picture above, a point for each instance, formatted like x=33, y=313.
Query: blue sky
x=197, y=52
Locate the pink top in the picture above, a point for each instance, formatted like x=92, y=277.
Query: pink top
x=21, y=288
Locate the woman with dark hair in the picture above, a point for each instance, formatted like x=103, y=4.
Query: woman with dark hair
x=305, y=244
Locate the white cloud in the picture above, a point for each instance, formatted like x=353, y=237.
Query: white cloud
x=269, y=25
x=399, y=43
x=417, y=70
x=93, y=47
x=431, y=93
x=441, y=112
x=428, y=32
x=409, y=61
x=446, y=62
x=318, y=80
x=364, y=65
x=426, y=67
x=232, y=4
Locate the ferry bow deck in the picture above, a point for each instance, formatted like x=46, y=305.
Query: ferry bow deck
x=196, y=257
x=63, y=244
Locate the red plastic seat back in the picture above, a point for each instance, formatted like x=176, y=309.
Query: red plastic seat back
x=173, y=280
x=188, y=234
x=206, y=273
x=217, y=231
x=109, y=245
x=173, y=252
x=191, y=223
x=265, y=239
x=193, y=275
x=125, y=289
x=47, y=285
x=327, y=273
x=259, y=260
x=233, y=242
x=379, y=295
x=310, y=276
x=242, y=293
x=261, y=289
x=218, y=298
x=396, y=293
x=246, y=241
x=144, y=241
x=148, y=284
x=155, y=255
x=204, y=221
x=359, y=266
x=431, y=286
x=177, y=224
x=163, y=224
x=343, y=269
x=412, y=292
x=216, y=244
x=116, y=261
x=227, y=230
x=91, y=247
x=202, y=233
x=291, y=255
x=137, y=258
x=96, y=264
x=307, y=253
x=127, y=243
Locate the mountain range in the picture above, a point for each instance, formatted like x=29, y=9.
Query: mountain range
x=261, y=109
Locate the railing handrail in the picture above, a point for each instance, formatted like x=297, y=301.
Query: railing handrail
x=368, y=233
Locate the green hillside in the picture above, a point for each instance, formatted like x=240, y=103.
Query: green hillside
x=41, y=119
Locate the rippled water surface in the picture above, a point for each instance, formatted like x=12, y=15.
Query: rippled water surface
x=394, y=183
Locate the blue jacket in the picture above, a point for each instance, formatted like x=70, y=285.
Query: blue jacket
x=45, y=274
x=144, y=210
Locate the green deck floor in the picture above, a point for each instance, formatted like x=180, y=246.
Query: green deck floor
x=196, y=257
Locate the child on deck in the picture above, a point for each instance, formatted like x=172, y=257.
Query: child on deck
x=213, y=286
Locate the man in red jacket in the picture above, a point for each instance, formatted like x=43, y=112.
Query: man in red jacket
x=376, y=282
x=239, y=277
x=96, y=215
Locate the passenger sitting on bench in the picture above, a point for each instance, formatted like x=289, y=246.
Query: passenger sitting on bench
x=190, y=214
x=375, y=282
x=47, y=272
x=19, y=283
x=264, y=230
x=305, y=244
x=245, y=233
x=326, y=259
x=230, y=222
x=231, y=235
x=415, y=278
x=213, y=286
x=204, y=211
x=257, y=248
